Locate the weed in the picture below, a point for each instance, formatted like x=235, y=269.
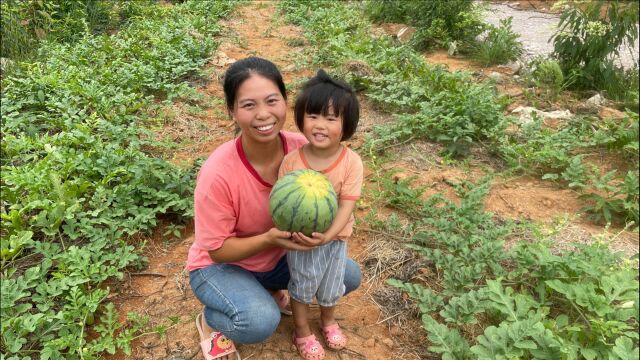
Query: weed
x=500, y=45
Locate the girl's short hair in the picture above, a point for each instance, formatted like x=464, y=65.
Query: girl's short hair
x=241, y=70
x=321, y=93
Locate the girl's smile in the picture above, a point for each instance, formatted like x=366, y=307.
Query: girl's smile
x=323, y=132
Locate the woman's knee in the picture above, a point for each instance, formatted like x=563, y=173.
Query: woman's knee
x=352, y=276
x=255, y=324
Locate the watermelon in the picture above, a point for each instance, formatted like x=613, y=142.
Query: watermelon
x=303, y=201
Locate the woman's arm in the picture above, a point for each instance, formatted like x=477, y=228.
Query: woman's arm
x=235, y=248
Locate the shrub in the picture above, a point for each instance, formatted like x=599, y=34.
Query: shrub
x=437, y=23
x=548, y=75
x=500, y=46
x=586, y=42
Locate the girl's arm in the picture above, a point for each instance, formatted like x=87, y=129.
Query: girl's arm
x=345, y=209
x=235, y=248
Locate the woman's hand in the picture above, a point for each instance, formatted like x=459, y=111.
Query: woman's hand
x=284, y=240
x=316, y=239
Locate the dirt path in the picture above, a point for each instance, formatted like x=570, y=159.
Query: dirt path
x=162, y=291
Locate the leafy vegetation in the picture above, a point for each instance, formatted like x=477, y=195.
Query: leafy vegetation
x=431, y=102
x=25, y=24
x=500, y=46
x=586, y=41
x=528, y=302
x=78, y=183
x=560, y=155
x=437, y=23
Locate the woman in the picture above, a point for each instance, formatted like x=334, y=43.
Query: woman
x=236, y=264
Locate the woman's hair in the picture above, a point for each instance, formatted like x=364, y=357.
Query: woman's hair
x=320, y=94
x=241, y=70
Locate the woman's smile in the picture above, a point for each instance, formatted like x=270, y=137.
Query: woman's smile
x=265, y=128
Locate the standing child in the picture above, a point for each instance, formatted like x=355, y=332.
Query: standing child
x=327, y=113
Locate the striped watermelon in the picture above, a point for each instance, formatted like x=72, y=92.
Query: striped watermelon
x=303, y=201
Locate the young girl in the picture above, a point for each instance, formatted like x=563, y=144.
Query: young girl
x=327, y=113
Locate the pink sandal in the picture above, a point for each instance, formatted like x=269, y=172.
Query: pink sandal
x=283, y=300
x=334, y=337
x=308, y=347
x=214, y=345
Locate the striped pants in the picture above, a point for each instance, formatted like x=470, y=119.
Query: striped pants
x=318, y=272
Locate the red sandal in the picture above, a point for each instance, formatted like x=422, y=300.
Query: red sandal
x=308, y=347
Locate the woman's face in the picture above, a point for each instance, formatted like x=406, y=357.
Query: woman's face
x=260, y=109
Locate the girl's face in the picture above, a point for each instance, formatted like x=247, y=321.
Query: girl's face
x=260, y=109
x=323, y=132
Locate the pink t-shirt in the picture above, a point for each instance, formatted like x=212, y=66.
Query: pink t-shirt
x=345, y=174
x=232, y=200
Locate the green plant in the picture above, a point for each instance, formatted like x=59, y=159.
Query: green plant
x=78, y=182
x=437, y=23
x=585, y=41
x=530, y=302
x=548, y=75
x=500, y=45
x=25, y=24
x=615, y=197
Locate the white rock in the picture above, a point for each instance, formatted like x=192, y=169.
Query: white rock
x=526, y=114
x=596, y=101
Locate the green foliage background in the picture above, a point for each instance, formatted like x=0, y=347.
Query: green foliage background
x=78, y=183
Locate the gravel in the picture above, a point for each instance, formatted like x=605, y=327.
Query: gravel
x=536, y=28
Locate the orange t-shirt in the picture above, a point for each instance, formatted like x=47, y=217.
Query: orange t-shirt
x=345, y=174
x=232, y=200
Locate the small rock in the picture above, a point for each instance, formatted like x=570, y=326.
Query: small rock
x=388, y=342
x=547, y=203
x=496, y=76
x=405, y=34
x=395, y=330
x=453, y=48
x=152, y=300
x=595, y=101
x=397, y=177
x=516, y=67
x=5, y=63
x=370, y=343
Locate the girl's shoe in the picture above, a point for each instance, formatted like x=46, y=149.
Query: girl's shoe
x=215, y=344
x=308, y=347
x=334, y=337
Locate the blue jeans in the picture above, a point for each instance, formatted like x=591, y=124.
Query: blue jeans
x=237, y=301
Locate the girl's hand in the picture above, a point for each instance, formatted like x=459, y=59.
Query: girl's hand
x=283, y=239
x=316, y=239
